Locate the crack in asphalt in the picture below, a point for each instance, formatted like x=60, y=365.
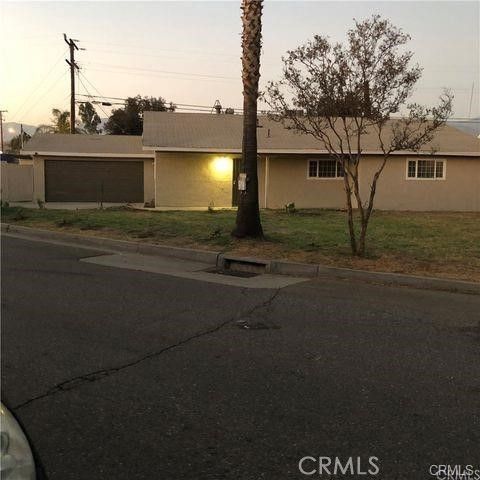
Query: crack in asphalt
x=96, y=375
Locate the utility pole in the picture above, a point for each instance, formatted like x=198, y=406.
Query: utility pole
x=471, y=99
x=1, y=125
x=72, y=46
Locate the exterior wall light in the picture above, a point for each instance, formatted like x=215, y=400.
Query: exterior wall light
x=221, y=168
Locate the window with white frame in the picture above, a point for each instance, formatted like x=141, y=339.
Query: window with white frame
x=426, y=169
x=325, y=168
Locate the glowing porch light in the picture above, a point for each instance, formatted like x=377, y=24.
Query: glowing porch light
x=221, y=167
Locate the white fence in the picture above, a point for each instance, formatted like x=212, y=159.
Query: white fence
x=17, y=182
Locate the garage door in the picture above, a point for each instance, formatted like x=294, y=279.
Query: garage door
x=93, y=181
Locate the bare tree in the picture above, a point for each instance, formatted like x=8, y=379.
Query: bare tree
x=340, y=94
x=248, y=214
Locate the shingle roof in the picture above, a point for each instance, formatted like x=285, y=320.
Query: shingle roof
x=102, y=145
x=170, y=131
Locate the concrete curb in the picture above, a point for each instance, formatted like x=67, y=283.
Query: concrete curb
x=112, y=244
x=402, y=280
x=221, y=260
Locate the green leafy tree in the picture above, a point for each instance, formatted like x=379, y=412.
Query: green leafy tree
x=342, y=93
x=90, y=118
x=129, y=119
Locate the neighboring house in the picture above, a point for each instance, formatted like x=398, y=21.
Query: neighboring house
x=90, y=168
x=16, y=178
x=16, y=158
x=471, y=126
x=191, y=160
x=196, y=155
x=8, y=158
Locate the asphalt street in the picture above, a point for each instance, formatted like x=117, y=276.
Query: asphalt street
x=123, y=374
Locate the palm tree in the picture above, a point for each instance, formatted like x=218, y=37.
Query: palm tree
x=248, y=214
x=60, y=123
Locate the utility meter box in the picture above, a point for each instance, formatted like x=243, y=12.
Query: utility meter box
x=242, y=181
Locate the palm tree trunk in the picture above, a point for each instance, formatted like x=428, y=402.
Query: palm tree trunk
x=248, y=214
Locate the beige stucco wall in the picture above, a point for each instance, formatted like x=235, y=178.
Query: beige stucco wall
x=459, y=191
x=288, y=182
x=38, y=179
x=198, y=180
x=17, y=182
x=193, y=180
x=190, y=180
x=39, y=175
x=148, y=181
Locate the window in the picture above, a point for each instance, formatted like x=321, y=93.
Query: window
x=438, y=169
x=426, y=169
x=412, y=168
x=325, y=169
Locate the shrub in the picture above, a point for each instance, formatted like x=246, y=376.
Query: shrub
x=290, y=208
x=88, y=224
x=19, y=215
x=215, y=234
x=65, y=222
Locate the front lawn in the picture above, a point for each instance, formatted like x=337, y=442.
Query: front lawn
x=436, y=244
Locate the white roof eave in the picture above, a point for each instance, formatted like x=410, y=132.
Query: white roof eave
x=304, y=151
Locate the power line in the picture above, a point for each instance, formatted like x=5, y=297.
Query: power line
x=178, y=106
x=63, y=75
x=19, y=109
x=101, y=96
x=167, y=57
x=104, y=112
x=200, y=108
x=95, y=88
x=117, y=72
x=141, y=47
x=188, y=74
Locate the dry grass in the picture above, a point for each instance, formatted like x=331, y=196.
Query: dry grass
x=433, y=244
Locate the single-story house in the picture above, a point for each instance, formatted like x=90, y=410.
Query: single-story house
x=188, y=160
x=196, y=155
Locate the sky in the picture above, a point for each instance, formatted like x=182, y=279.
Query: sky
x=189, y=52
